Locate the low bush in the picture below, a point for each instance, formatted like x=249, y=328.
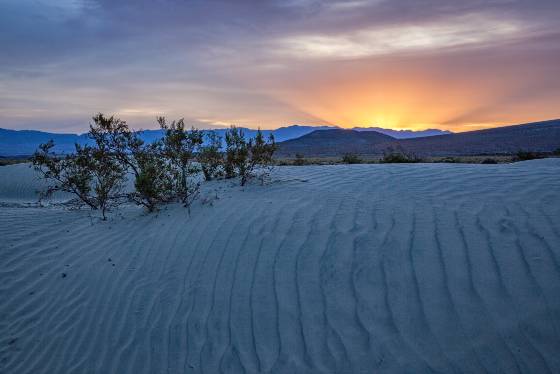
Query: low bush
x=261, y=155
x=299, y=160
x=153, y=181
x=210, y=157
x=527, y=155
x=392, y=156
x=163, y=171
x=179, y=148
x=237, y=154
x=248, y=159
x=351, y=158
x=489, y=161
x=94, y=174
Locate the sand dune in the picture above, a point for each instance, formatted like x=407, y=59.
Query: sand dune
x=349, y=268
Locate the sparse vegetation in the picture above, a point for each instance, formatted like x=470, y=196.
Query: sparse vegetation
x=237, y=154
x=489, y=161
x=351, y=158
x=527, y=155
x=4, y=161
x=243, y=158
x=210, y=156
x=392, y=156
x=179, y=148
x=299, y=160
x=163, y=171
x=153, y=181
x=93, y=173
x=261, y=153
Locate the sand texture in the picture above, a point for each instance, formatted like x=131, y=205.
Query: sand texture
x=329, y=269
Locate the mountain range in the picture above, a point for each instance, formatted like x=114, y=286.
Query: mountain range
x=538, y=136
x=322, y=141
x=25, y=142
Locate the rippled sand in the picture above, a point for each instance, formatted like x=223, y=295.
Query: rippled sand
x=361, y=268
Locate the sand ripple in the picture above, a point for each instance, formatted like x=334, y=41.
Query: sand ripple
x=362, y=268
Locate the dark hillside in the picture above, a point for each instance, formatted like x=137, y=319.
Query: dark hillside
x=538, y=136
x=333, y=142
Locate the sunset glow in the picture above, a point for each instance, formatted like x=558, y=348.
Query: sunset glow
x=276, y=63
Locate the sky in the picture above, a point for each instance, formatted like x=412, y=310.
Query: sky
x=402, y=64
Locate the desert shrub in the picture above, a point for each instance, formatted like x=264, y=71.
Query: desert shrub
x=109, y=176
x=114, y=135
x=210, y=156
x=299, y=160
x=153, y=180
x=527, y=155
x=489, y=161
x=261, y=154
x=399, y=156
x=237, y=152
x=92, y=174
x=244, y=157
x=351, y=158
x=179, y=147
x=65, y=173
x=163, y=171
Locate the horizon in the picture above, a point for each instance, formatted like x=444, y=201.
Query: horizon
x=225, y=127
x=410, y=65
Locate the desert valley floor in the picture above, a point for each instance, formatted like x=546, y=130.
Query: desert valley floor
x=345, y=268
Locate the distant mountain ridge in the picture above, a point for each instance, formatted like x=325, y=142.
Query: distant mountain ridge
x=334, y=141
x=543, y=136
x=538, y=136
x=404, y=134
x=25, y=142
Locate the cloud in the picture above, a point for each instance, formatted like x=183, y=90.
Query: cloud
x=462, y=31
x=265, y=63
